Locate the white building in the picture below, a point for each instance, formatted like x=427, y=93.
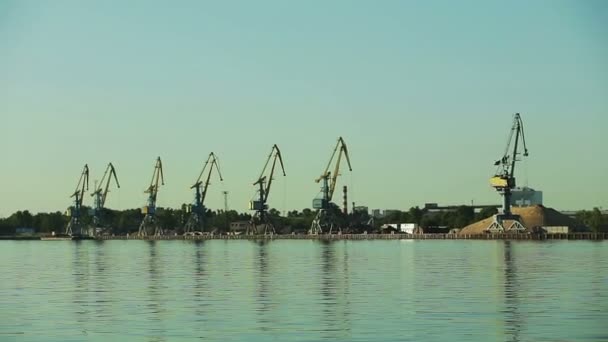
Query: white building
x=407, y=228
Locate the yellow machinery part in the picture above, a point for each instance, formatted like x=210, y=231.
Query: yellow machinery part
x=499, y=182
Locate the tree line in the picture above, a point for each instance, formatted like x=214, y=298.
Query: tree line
x=121, y=222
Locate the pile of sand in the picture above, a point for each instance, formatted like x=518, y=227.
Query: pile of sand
x=531, y=217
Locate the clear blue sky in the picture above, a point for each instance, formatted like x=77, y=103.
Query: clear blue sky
x=423, y=92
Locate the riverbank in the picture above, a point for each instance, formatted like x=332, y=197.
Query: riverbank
x=569, y=236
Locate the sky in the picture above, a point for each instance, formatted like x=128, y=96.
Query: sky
x=423, y=93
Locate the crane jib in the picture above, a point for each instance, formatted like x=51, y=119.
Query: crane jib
x=505, y=176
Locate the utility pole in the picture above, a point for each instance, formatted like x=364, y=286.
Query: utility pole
x=225, y=201
x=227, y=227
x=345, y=202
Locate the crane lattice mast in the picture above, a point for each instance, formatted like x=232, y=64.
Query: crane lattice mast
x=149, y=225
x=74, y=226
x=195, y=221
x=504, y=179
x=101, y=194
x=324, y=219
x=260, y=218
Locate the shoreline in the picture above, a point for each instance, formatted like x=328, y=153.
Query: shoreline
x=325, y=237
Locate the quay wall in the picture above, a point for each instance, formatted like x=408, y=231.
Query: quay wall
x=565, y=236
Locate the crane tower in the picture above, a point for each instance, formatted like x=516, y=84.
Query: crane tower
x=74, y=227
x=260, y=221
x=195, y=221
x=149, y=225
x=101, y=194
x=324, y=220
x=504, y=179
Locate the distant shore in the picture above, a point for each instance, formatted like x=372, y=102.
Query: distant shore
x=565, y=236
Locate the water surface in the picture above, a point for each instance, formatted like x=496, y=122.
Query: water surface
x=300, y=290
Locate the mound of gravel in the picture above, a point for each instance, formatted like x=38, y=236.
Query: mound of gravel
x=531, y=217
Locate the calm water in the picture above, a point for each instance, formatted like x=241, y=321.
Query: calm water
x=303, y=291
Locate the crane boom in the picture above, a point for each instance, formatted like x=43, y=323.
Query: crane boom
x=519, y=128
x=101, y=192
x=326, y=176
x=157, y=175
x=83, y=184
x=271, y=177
x=505, y=175
x=211, y=161
x=275, y=154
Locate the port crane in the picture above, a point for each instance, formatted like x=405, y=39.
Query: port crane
x=101, y=194
x=324, y=220
x=74, y=226
x=195, y=221
x=504, y=179
x=260, y=218
x=149, y=225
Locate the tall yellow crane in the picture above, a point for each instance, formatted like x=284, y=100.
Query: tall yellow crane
x=324, y=218
x=74, y=227
x=195, y=221
x=260, y=218
x=504, y=179
x=149, y=225
x=101, y=194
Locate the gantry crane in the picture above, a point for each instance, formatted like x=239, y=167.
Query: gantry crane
x=101, y=194
x=149, y=225
x=259, y=221
x=504, y=179
x=74, y=227
x=195, y=221
x=324, y=218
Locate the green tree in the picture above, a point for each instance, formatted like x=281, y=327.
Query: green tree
x=485, y=213
x=595, y=220
x=465, y=215
x=416, y=215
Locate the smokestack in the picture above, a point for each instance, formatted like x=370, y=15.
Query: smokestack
x=345, y=202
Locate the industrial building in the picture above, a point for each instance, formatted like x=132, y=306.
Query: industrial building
x=526, y=197
x=361, y=209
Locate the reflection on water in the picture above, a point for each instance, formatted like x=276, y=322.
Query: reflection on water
x=199, y=275
x=304, y=291
x=80, y=289
x=513, y=318
x=155, y=304
x=334, y=292
x=102, y=288
x=264, y=300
